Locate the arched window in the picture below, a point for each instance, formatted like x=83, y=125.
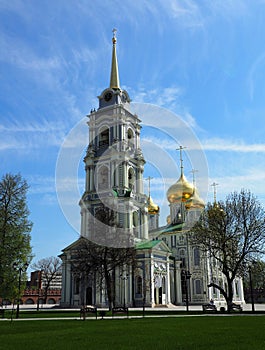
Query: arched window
x=51, y=301
x=182, y=257
x=197, y=287
x=196, y=256
x=103, y=178
x=163, y=285
x=135, y=219
x=104, y=137
x=236, y=289
x=139, y=285
x=76, y=285
x=29, y=301
x=131, y=178
x=173, y=241
x=130, y=134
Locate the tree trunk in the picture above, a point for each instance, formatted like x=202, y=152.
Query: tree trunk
x=109, y=290
x=230, y=295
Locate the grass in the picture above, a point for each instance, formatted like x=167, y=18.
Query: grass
x=210, y=332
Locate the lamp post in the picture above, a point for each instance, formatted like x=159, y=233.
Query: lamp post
x=38, y=282
x=124, y=278
x=20, y=268
x=251, y=288
x=186, y=275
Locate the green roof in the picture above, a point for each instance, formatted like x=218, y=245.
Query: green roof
x=172, y=228
x=147, y=245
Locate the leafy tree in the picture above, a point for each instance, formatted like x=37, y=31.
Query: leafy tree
x=233, y=233
x=101, y=260
x=15, y=228
x=50, y=268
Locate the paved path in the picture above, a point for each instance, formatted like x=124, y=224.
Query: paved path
x=246, y=307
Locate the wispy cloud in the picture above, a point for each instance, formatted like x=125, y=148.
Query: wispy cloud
x=169, y=98
x=252, y=179
x=193, y=14
x=16, y=52
x=218, y=144
x=30, y=136
x=187, y=11
x=211, y=144
x=31, y=126
x=256, y=68
x=164, y=97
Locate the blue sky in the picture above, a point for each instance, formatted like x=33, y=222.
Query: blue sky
x=204, y=61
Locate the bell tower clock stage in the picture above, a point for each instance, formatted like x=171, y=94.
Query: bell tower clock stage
x=114, y=166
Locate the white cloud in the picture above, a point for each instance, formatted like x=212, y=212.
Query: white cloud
x=31, y=126
x=163, y=97
x=252, y=179
x=211, y=144
x=218, y=144
x=255, y=72
x=16, y=52
x=28, y=143
x=191, y=13
x=187, y=11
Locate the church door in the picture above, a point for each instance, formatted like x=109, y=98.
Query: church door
x=89, y=296
x=160, y=296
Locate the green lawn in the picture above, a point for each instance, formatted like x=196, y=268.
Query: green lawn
x=210, y=332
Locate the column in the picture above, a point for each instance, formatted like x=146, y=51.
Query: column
x=168, y=299
x=178, y=287
x=90, y=179
x=152, y=282
x=87, y=178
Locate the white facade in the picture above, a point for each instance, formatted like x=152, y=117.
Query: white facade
x=169, y=268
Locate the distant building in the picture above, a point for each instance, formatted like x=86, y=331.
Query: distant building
x=38, y=280
x=34, y=292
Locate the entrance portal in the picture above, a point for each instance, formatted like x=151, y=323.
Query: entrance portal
x=89, y=296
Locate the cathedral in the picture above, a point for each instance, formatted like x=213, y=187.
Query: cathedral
x=170, y=269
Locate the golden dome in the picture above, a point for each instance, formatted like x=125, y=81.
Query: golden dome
x=194, y=202
x=153, y=208
x=181, y=191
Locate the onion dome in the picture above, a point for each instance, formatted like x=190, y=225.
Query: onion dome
x=153, y=208
x=194, y=202
x=181, y=191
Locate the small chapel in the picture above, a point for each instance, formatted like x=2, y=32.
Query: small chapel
x=170, y=269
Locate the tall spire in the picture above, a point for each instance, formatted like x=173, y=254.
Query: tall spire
x=114, y=75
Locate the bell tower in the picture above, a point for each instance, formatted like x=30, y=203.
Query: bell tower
x=114, y=164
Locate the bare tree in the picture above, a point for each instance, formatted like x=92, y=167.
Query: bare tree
x=233, y=233
x=50, y=269
x=102, y=260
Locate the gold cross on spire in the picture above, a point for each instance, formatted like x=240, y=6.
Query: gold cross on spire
x=181, y=159
x=214, y=184
x=149, y=178
x=114, y=75
x=114, y=31
x=193, y=171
